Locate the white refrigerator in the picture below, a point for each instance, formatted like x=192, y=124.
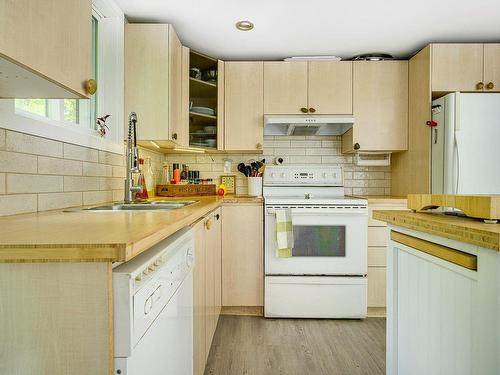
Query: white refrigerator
x=466, y=144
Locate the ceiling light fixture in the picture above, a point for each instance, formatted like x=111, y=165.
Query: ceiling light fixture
x=244, y=25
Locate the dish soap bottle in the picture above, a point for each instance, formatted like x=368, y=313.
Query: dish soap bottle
x=150, y=178
x=141, y=181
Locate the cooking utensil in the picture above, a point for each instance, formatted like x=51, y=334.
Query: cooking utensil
x=242, y=169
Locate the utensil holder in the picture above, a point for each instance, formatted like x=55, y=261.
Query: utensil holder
x=255, y=186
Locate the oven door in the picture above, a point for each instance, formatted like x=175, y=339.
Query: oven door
x=328, y=241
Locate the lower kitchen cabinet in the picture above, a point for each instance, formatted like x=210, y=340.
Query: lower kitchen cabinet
x=206, y=287
x=242, y=255
x=377, y=243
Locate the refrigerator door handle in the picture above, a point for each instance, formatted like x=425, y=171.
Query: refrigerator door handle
x=435, y=136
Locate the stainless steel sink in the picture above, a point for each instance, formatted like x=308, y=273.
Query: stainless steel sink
x=139, y=206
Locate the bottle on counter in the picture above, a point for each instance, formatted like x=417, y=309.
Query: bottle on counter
x=150, y=178
x=141, y=181
x=165, y=174
x=176, y=174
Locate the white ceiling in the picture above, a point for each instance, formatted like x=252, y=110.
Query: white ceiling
x=319, y=27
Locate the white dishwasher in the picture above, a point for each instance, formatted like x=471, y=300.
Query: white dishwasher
x=153, y=310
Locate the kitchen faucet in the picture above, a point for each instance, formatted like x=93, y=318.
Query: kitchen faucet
x=132, y=159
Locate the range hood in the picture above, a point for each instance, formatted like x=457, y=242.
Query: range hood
x=307, y=125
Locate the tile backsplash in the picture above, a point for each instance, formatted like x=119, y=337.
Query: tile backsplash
x=39, y=174
x=295, y=150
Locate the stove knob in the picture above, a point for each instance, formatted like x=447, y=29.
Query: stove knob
x=138, y=277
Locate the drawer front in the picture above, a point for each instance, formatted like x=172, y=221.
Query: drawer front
x=377, y=223
x=376, y=256
x=377, y=236
x=376, y=287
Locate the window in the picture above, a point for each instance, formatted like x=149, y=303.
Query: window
x=81, y=112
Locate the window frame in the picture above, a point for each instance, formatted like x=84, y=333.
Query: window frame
x=110, y=61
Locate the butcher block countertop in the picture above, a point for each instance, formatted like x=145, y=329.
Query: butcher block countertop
x=472, y=231
x=83, y=236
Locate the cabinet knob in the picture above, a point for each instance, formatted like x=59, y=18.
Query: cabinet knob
x=304, y=110
x=490, y=86
x=479, y=86
x=91, y=86
x=357, y=146
x=312, y=110
x=217, y=217
x=208, y=224
x=174, y=136
x=259, y=146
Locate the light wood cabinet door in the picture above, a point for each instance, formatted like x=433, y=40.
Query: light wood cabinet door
x=47, y=44
x=242, y=255
x=285, y=87
x=376, y=287
x=215, y=242
x=244, y=104
x=199, y=304
x=330, y=87
x=456, y=67
x=209, y=283
x=380, y=105
x=492, y=67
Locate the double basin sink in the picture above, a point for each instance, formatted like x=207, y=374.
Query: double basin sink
x=139, y=206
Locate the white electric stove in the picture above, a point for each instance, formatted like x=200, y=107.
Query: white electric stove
x=326, y=275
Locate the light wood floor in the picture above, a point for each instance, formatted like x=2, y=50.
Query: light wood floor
x=258, y=346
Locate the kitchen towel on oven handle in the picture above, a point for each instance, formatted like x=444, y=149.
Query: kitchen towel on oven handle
x=284, y=233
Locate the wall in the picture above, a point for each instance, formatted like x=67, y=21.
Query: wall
x=39, y=174
x=295, y=150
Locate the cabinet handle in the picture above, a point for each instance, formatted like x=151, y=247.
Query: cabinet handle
x=258, y=146
x=217, y=217
x=208, y=224
x=357, y=146
x=174, y=136
x=91, y=86
x=304, y=110
x=312, y=110
x=479, y=86
x=490, y=86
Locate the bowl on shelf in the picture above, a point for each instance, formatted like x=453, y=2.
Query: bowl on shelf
x=211, y=142
x=210, y=75
x=195, y=73
x=210, y=129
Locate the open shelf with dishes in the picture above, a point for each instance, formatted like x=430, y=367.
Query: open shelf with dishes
x=203, y=101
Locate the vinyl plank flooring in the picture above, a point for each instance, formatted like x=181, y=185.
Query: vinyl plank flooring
x=257, y=346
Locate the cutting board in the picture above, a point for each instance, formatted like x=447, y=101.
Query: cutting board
x=486, y=207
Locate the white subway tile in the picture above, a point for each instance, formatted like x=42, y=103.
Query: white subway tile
x=356, y=183
x=332, y=144
x=2, y=183
x=347, y=175
x=336, y=159
x=26, y=183
x=289, y=151
x=368, y=175
x=80, y=153
x=119, y=172
x=368, y=191
x=55, y=201
x=387, y=191
x=379, y=183
x=2, y=139
x=73, y=183
x=48, y=165
x=94, y=169
x=97, y=197
x=322, y=151
x=17, y=163
x=109, y=183
x=111, y=158
x=282, y=143
x=305, y=159
x=118, y=195
x=17, y=204
x=29, y=144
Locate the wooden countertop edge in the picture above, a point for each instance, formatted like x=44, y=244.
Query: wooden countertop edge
x=109, y=252
x=448, y=227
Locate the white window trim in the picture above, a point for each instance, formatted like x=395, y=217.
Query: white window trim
x=110, y=98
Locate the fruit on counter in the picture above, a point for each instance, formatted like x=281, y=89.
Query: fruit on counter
x=222, y=190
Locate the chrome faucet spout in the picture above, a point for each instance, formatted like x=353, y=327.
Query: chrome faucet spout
x=132, y=155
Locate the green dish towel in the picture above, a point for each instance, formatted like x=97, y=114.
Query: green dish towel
x=284, y=233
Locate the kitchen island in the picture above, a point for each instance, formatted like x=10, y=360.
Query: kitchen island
x=443, y=294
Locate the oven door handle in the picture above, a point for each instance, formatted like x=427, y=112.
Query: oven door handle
x=323, y=211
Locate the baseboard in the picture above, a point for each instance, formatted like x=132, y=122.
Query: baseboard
x=243, y=310
x=376, y=312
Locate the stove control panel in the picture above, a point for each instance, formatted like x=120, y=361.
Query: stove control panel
x=321, y=175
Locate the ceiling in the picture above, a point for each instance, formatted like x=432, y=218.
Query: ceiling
x=319, y=27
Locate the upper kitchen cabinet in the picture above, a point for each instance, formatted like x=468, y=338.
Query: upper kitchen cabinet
x=206, y=102
x=465, y=67
x=153, y=83
x=314, y=87
x=45, y=48
x=244, y=105
x=330, y=87
x=380, y=107
x=285, y=87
